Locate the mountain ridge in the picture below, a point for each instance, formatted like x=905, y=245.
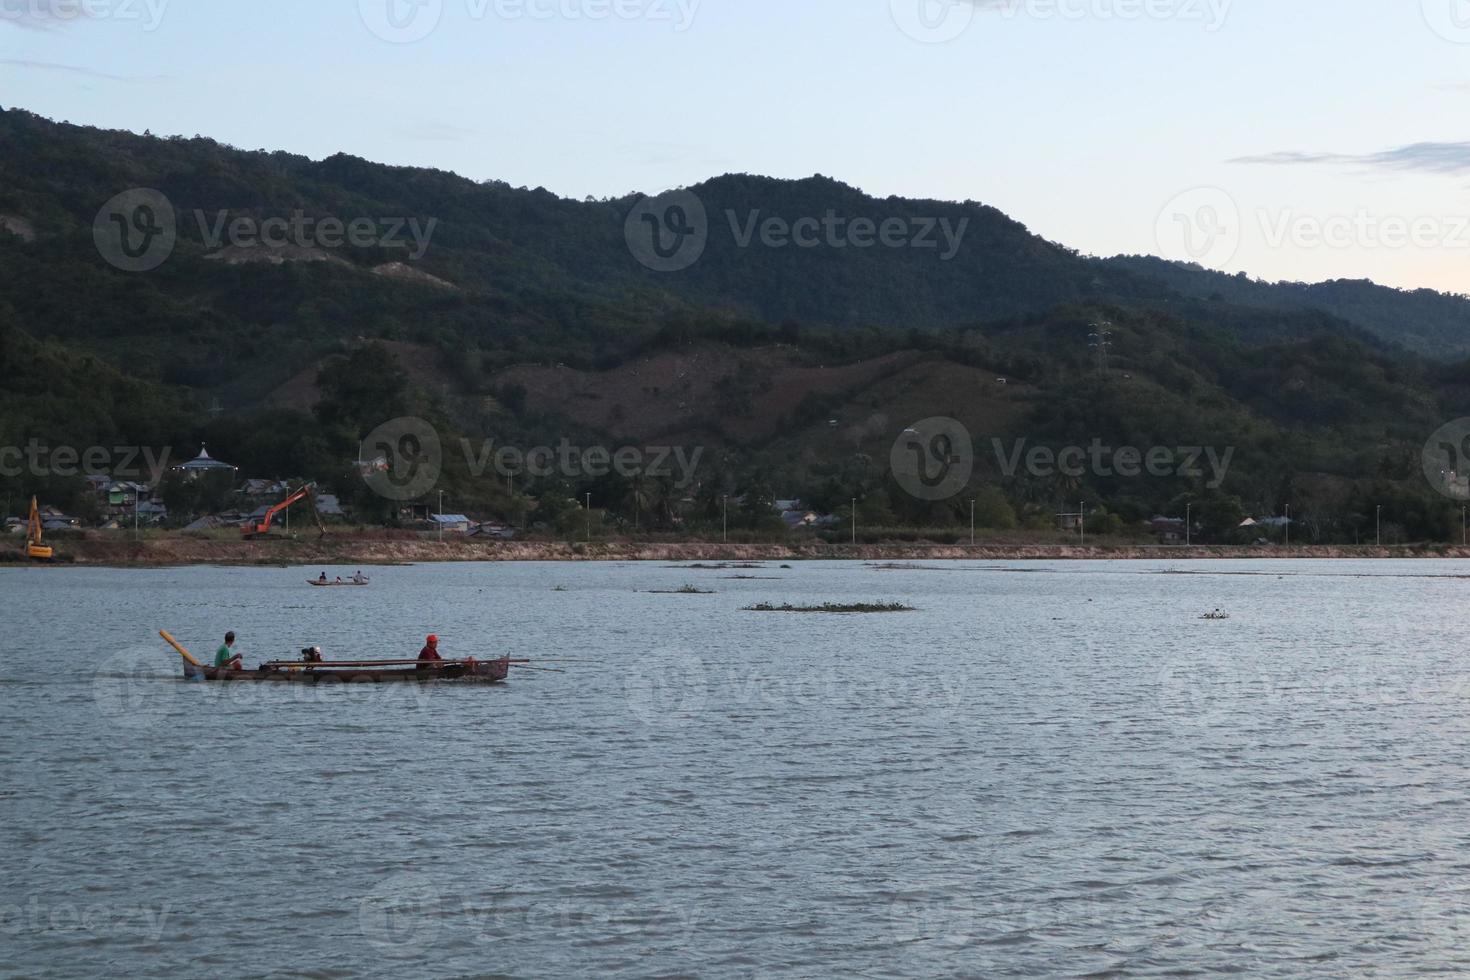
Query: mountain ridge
x=490, y=234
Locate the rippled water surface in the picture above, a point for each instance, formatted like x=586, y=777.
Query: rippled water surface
x=1044, y=770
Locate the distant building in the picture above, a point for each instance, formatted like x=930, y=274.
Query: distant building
x=124, y=494
x=328, y=505
x=263, y=488
x=203, y=465
x=1069, y=522
x=454, y=523
x=150, y=512
x=1169, y=530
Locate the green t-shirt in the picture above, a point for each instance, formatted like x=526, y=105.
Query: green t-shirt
x=224, y=656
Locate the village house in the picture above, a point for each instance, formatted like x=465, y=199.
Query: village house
x=1169, y=530
x=452, y=523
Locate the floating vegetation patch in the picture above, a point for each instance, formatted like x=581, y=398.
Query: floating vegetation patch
x=834, y=607
x=682, y=590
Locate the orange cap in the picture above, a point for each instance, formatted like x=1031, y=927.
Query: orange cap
x=433, y=639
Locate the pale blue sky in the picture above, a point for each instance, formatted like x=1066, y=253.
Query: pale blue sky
x=1085, y=126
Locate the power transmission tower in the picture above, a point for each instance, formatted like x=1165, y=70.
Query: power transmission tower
x=1101, y=342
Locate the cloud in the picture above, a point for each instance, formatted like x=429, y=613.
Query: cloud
x=84, y=72
x=1433, y=158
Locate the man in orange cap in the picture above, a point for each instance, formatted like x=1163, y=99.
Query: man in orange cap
x=431, y=649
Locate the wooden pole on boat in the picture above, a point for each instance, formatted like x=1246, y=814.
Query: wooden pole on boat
x=179, y=647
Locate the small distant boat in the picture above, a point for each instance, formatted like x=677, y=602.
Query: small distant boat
x=349, y=671
x=346, y=581
x=1217, y=614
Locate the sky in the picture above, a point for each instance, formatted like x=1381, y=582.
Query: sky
x=1302, y=140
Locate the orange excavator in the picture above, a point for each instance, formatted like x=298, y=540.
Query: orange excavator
x=34, y=548
x=307, y=492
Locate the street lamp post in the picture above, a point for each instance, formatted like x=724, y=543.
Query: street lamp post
x=1378, y=526
x=972, y=522
x=589, y=518
x=1082, y=522
x=725, y=521
x=854, y=521
x=441, y=515
x=1188, y=510
x=1288, y=527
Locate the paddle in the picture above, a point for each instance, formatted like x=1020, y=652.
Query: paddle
x=189, y=657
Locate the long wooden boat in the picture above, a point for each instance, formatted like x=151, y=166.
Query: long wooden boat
x=349, y=671
x=333, y=585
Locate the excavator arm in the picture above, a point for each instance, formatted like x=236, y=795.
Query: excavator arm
x=34, y=547
x=307, y=492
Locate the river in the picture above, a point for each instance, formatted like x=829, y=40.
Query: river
x=1044, y=769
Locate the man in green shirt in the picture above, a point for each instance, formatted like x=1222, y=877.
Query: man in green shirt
x=226, y=658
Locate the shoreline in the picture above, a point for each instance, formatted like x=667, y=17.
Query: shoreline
x=366, y=551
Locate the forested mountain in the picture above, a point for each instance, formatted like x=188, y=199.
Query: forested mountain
x=516, y=315
x=1432, y=323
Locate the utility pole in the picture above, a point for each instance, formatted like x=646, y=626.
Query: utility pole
x=972, y=522
x=1463, y=535
x=441, y=516
x=1082, y=521
x=1378, y=526
x=1188, y=510
x=1288, y=527
x=725, y=521
x=854, y=521
x=589, y=517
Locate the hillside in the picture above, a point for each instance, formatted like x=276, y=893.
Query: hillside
x=515, y=316
x=1421, y=320
x=502, y=263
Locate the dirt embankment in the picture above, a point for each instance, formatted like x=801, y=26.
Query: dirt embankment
x=364, y=550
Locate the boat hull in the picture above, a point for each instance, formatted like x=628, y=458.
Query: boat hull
x=488, y=672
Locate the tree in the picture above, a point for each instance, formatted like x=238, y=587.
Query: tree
x=993, y=510
x=362, y=390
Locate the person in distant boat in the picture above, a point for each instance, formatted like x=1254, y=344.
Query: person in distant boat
x=430, y=651
x=359, y=579
x=226, y=658
x=312, y=655
x=323, y=579
x=339, y=580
